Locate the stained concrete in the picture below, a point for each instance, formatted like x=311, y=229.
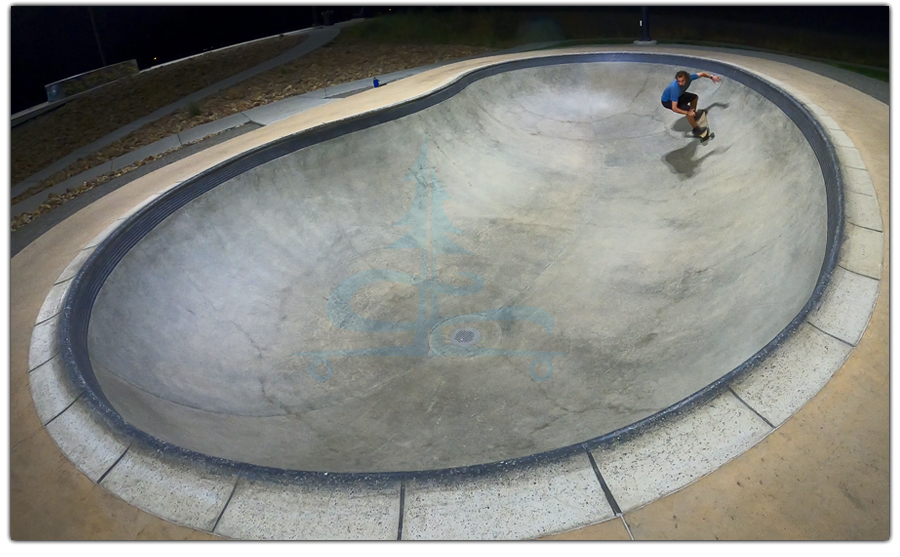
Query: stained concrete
x=610, y=264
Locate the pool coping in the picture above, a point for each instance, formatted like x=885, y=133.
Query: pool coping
x=587, y=487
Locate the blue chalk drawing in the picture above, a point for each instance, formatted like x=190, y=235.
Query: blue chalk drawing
x=429, y=229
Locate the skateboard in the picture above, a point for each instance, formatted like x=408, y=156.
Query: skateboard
x=703, y=123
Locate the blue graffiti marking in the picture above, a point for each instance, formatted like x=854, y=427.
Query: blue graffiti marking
x=429, y=229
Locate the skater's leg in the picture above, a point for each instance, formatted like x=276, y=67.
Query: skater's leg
x=688, y=101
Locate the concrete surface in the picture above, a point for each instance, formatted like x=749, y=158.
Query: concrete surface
x=638, y=252
x=852, y=406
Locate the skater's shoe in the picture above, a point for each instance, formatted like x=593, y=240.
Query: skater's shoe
x=697, y=131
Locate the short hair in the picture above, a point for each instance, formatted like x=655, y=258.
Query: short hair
x=682, y=73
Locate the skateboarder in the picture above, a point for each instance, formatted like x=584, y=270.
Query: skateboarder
x=678, y=100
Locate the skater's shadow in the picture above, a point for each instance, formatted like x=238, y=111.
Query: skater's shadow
x=685, y=161
x=681, y=125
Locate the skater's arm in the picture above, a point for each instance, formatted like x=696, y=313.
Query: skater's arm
x=715, y=78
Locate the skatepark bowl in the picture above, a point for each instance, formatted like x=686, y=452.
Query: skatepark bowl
x=535, y=259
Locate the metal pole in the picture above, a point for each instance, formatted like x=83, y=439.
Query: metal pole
x=97, y=36
x=645, y=24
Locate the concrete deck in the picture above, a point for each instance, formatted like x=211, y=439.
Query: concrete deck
x=861, y=382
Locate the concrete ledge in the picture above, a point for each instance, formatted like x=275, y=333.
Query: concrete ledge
x=668, y=458
x=824, y=118
x=53, y=302
x=178, y=490
x=140, y=205
x=22, y=187
x=168, y=186
x=862, y=251
x=44, y=342
x=519, y=503
x=155, y=148
x=862, y=210
x=840, y=138
x=72, y=269
x=82, y=82
x=275, y=112
x=85, y=440
x=339, y=90
x=51, y=391
x=846, y=306
x=312, y=510
x=106, y=232
x=35, y=201
x=199, y=132
x=858, y=181
x=849, y=156
x=793, y=374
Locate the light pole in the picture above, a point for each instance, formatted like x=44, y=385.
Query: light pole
x=645, y=27
x=97, y=36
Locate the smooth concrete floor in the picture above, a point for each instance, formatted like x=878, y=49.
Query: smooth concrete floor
x=823, y=475
x=646, y=276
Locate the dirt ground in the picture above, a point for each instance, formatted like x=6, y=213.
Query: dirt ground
x=39, y=142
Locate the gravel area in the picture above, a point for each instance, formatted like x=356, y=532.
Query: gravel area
x=37, y=143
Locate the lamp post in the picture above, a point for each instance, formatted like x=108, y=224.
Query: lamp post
x=97, y=36
x=645, y=27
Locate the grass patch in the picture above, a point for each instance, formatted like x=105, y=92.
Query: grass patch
x=796, y=42
x=490, y=27
x=586, y=42
x=875, y=73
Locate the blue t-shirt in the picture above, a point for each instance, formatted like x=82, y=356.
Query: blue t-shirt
x=673, y=91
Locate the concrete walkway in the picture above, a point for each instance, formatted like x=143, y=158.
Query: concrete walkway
x=823, y=474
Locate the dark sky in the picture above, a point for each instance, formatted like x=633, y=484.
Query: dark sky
x=847, y=20
x=49, y=43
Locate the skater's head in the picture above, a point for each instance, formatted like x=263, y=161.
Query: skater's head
x=682, y=77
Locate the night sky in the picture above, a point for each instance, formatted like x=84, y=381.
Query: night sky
x=49, y=43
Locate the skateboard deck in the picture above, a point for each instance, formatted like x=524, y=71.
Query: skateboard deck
x=703, y=123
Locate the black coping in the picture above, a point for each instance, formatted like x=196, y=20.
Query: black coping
x=87, y=283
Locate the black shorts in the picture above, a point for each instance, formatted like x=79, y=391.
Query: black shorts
x=684, y=101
